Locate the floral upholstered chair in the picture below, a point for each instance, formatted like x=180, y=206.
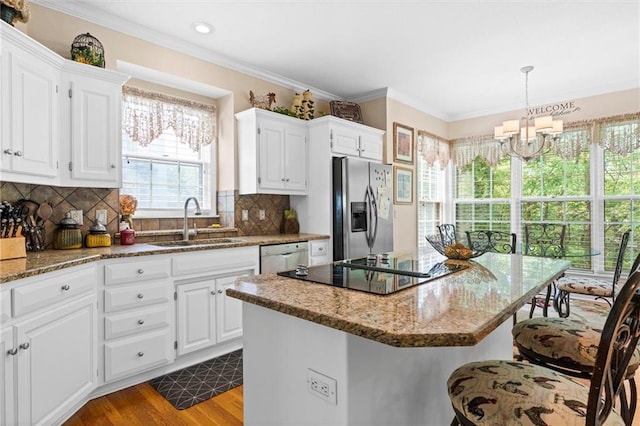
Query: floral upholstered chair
x=590, y=286
x=447, y=234
x=495, y=241
x=504, y=392
x=570, y=347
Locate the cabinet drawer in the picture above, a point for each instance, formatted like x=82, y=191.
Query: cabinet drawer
x=131, y=355
x=318, y=248
x=140, y=270
x=139, y=295
x=52, y=290
x=138, y=320
x=5, y=306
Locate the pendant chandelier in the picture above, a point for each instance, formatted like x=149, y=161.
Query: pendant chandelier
x=535, y=135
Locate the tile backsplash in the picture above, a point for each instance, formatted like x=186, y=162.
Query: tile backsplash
x=230, y=206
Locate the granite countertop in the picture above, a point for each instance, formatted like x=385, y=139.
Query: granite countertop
x=53, y=260
x=459, y=309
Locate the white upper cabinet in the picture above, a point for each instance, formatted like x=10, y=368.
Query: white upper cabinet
x=353, y=139
x=272, y=153
x=61, y=120
x=92, y=130
x=30, y=77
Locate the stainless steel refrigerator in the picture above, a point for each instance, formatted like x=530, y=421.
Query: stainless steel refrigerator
x=362, y=208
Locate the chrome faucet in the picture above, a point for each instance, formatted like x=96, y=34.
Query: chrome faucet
x=197, y=212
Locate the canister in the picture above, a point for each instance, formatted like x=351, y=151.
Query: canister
x=127, y=237
x=68, y=235
x=98, y=236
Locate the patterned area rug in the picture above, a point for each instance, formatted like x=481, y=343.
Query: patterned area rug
x=189, y=386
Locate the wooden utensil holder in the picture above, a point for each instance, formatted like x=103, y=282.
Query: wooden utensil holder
x=12, y=248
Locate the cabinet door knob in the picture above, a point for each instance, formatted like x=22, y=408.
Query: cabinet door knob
x=140, y=321
x=220, y=291
x=140, y=295
x=18, y=153
x=24, y=346
x=213, y=292
x=141, y=271
x=12, y=351
x=113, y=166
x=287, y=180
x=8, y=151
x=65, y=287
x=140, y=354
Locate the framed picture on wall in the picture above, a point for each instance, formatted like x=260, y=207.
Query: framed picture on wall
x=402, y=143
x=402, y=185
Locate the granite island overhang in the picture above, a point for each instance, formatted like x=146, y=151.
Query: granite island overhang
x=456, y=310
x=381, y=360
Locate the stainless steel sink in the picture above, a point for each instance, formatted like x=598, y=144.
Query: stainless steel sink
x=191, y=243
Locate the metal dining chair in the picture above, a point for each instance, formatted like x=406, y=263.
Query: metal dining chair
x=505, y=392
x=488, y=240
x=447, y=234
x=545, y=240
x=600, y=289
x=569, y=346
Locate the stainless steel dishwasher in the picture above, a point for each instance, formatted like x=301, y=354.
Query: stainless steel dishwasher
x=283, y=257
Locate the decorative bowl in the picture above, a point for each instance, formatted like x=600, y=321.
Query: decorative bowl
x=454, y=251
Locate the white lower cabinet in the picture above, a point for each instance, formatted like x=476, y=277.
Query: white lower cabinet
x=52, y=357
x=196, y=314
x=205, y=314
x=7, y=393
x=137, y=319
x=124, y=357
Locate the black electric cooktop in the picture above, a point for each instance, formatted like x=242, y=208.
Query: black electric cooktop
x=379, y=276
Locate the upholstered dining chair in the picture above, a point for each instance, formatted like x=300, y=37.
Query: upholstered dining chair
x=569, y=346
x=600, y=289
x=505, y=392
x=488, y=240
x=545, y=240
x=447, y=234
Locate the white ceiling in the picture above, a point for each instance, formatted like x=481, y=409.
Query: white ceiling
x=451, y=59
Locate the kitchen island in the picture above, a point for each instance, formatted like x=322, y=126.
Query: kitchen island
x=377, y=359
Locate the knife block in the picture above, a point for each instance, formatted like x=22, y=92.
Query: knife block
x=12, y=248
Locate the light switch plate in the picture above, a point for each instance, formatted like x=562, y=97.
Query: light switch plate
x=261, y=214
x=101, y=216
x=245, y=215
x=77, y=216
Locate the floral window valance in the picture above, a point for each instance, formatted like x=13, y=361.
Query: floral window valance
x=145, y=115
x=433, y=148
x=618, y=134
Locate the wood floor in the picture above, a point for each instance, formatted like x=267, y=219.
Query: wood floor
x=141, y=405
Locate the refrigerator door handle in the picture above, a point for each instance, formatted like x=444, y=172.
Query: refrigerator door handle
x=372, y=232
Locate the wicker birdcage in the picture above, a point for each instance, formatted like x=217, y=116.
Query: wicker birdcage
x=88, y=50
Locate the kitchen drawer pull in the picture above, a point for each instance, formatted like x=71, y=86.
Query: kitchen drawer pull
x=65, y=287
x=140, y=322
x=24, y=346
x=140, y=271
x=140, y=354
x=12, y=351
x=220, y=291
x=140, y=295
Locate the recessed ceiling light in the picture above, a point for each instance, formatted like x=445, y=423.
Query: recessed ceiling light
x=202, y=27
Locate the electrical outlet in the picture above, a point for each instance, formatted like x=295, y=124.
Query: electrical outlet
x=322, y=386
x=77, y=216
x=261, y=214
x=245, y=215
x=101, y=216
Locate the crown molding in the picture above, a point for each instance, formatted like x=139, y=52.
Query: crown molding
x=85, y=12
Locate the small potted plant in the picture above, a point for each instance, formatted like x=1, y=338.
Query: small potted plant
x=14, y=10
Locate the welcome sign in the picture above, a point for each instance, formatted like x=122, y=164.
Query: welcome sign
x=561, y=108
